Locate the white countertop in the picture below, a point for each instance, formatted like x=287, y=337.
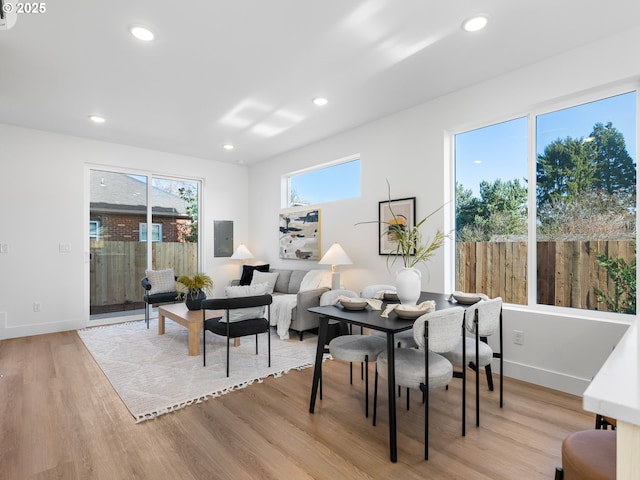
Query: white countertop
x=615, y=390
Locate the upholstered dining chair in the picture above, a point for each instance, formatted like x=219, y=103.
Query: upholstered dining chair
x=403, y=339
x=354, y=348
x=243, y=316
x=423, y=367
x=482, y=320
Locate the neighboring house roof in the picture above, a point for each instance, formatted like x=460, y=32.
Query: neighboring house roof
x=122, y=193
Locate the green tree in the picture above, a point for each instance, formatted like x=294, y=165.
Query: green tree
x=566, y=169
x=616, y=170
x=500, y=210
x=189, y=234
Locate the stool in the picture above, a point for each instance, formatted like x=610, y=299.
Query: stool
x=588, y=455
x=604, y=423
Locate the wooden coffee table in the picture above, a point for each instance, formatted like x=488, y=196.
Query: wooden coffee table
x=191, y=319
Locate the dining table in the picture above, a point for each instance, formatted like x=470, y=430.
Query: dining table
x=371, y=319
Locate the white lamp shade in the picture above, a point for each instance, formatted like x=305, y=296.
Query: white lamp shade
x=242, y=253
x=335, y=256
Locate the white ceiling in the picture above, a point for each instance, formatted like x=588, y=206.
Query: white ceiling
x=245, y=71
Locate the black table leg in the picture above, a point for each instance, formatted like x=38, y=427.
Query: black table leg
x=391, y=379
x=317, y=370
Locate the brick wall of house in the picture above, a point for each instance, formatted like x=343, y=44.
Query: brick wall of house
x=119, y=227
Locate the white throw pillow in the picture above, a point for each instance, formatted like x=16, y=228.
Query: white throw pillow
x=269, y=278
x=162, y=281
x=237, y=291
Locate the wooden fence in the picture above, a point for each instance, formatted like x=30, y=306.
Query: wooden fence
x=117, y=268
x=567, y=271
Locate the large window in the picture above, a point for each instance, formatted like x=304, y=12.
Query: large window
x=582, y=205
x=327, y=183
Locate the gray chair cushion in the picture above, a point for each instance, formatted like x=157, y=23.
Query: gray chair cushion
x=353, y=348
x=455, y=355
x=410, y=368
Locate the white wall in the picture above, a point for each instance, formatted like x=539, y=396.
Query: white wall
x=44, y=202
x=411, y=150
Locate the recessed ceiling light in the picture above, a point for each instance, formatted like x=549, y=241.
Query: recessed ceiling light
x=141, y=33
x=228, y=146
x=320, y=101
x=96, y=118
x=475, y=23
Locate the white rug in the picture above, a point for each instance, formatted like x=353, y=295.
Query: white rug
x=154, y=375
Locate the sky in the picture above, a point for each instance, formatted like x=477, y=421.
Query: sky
x=495, y=152
x=337, y=182
x=500, y=151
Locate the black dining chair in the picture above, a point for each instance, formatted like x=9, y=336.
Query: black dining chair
x=243, y=316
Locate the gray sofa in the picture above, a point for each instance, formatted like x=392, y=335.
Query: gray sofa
x=288, y=282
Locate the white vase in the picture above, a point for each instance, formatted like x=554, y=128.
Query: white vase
x=408, y=285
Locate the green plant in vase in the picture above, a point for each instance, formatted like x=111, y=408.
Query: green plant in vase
x=193, y=289
x=410, y=246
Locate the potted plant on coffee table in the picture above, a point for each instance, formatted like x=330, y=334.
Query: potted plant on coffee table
x=193, y=289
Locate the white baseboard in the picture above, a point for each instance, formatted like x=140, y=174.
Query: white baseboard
x=545, y=378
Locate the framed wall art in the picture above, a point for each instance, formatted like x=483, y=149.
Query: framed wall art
x=300, y=235
x=401, y=211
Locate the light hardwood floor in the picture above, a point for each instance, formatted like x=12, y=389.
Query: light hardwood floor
x=61, y=419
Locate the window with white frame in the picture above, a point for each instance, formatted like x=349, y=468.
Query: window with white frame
x=94, y=229
x=156, y=232
x=336, y=181
x=579, y=216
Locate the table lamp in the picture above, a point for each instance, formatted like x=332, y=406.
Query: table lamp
x=242, y=253
x=335, y=257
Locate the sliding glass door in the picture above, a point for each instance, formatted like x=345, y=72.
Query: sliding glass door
x=137, y=222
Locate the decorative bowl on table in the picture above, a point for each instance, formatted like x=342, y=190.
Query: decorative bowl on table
x=353, y=303
x=468, y=298
x=411, y=312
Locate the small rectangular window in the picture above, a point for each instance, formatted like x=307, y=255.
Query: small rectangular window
x=94, y=229
x=337, y=181
x=156, y=232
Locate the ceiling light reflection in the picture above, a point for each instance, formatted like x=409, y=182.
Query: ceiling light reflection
x=141, y=33
x=475, y=23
